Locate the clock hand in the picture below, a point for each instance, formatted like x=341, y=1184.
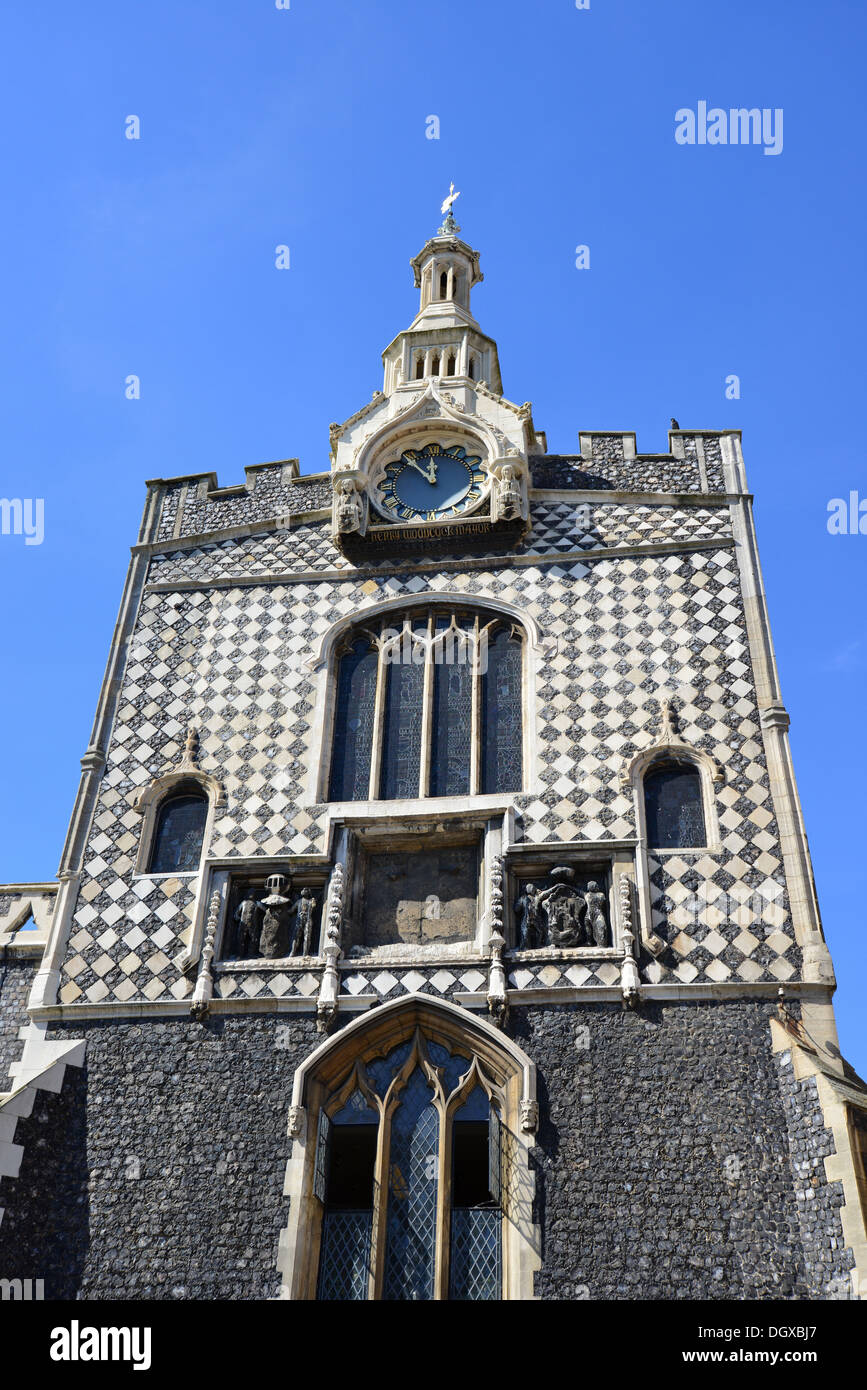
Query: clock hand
x=429, y=473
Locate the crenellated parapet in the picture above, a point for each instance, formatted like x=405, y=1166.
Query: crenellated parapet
x=609, y=461
x=195, y=504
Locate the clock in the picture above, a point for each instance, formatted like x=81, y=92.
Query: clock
x=431, y=483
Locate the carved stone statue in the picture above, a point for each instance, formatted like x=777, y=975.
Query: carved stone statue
x=510, y=501
x=563, y=908
x=527, y=907
x=595, y=924
x=274, y=939
x=247, y=916
x=302, y=935
x=349, y=508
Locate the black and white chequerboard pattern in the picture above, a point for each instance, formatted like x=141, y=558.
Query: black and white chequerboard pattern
x=621, y=633
x=557, y=527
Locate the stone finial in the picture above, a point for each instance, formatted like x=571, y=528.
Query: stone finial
x=668, y=728
x=190, y=755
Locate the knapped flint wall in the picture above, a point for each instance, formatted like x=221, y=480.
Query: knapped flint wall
x=663, y=1168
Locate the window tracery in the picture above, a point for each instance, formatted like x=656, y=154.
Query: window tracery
x=408, y=1163
x=429, y=703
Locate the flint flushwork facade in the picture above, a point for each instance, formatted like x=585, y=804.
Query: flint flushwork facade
x=436, y=917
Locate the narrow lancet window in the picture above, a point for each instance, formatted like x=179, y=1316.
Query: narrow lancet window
x=353, y=735
x=180, y=831
x=502, y=732
x=452, y=728
x=673, y=807
x=402, y=726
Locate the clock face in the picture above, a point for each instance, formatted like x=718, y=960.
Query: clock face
x=433, y=482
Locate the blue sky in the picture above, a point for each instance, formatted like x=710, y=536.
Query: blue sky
x=306, y=127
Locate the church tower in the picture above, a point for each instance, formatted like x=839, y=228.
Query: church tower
x=436, y=919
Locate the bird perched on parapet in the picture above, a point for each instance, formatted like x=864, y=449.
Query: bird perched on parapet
x=674, y=424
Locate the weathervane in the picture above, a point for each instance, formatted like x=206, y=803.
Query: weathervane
x=450, y=225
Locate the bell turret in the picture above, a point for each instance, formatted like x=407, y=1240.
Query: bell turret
x=443, y=340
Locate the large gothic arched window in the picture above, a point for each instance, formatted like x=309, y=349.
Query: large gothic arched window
x=409, y=1176
x=408, y=1171
x=429, y=703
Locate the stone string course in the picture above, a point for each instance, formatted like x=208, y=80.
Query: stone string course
x=557, y=527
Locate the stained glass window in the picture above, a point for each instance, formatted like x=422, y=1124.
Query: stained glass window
x=502, y=734
x=344, y=1167
x=452, y=729
x=476, y=1214
x=353, y=736
x=180, y=830
x=673, y=807
x=401, y=735
x=381, y=1071
x=349, y=1149
x=451, y=683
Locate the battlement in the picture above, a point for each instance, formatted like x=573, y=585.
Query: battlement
x=609, y=461
x=697, y=461
x=195, y=503
x=620, y=444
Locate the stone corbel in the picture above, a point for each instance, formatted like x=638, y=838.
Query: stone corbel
x=529, y=1116
x=510, y=498
x=296, y=1125
x=349, y=508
